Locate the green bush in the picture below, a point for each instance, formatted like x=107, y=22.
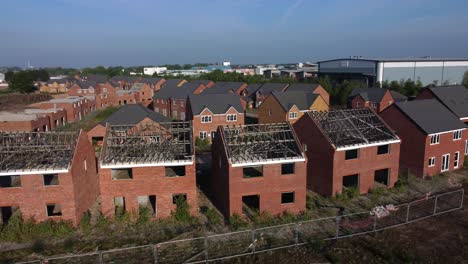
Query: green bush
x=347, y=194
x=201, y=142
x=237, y=222
x=182, y=211
x=213, y=217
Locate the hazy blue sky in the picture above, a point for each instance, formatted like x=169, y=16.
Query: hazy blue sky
x=149, y=32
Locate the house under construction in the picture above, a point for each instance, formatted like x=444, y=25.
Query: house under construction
x=47, y=175
x=150, y=165
x=348, y=149
x=258, y=168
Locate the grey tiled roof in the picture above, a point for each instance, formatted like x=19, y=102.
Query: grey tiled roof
x=224, y=87
x=133, y=114
x=305, y=87
x=268, y=88
x=431, y=116
x=303, y=100
x=455, y=98
x=217, y=103
x=173, y=91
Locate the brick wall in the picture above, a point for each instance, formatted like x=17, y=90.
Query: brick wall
x=32, y=125
x=217, y=120
x=278, y=114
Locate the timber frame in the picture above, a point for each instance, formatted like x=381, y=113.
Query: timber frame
x=261, y=143
x=353, y=127
x=149, y=143
x=36, y=151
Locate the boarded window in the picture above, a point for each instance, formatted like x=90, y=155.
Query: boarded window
x=180, y=197
x=384, y=149
x=381, y=176
x=175, y=171
x=10, y=181
x=351, y=181
x=287, y=197
x=121, y=174
x=253, y=172
x=351, y=154
x=147, y=202
x=54, y=210
x=51, y=179
x=287, y=168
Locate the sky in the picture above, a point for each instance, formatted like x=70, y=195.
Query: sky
x=87, y=33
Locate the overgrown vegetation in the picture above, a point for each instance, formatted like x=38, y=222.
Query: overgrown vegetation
x=202, y=145
x=89, y=121
x=22, y=81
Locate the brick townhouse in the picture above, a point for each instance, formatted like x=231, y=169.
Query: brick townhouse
x=258, y=168
x=81, y=88
x=106, y=95
x=289, y=106
x=171, y=100
x=174, y=83
x=147, y=166
x=75, y=106
x=455, y=98
x=433, y=138
x=154, y=83
x=266, y=89
x=348, y=149
x=47, y=176
x=208, y=111
x=123, y=82
x=57, y=85
x=309, y=87
x=375, y=98
x=129, y=115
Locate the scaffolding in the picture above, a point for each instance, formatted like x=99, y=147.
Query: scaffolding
x=352, y=127
x=148, y=143
x=36, y=151
x=261, y=143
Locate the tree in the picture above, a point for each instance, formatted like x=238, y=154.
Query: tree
x=22, y=82
x=8, y=75
x=465, y=79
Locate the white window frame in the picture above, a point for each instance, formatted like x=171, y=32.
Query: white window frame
x=435, y=139
x=231, y=117
x=203, y=135
x=447, y=161
x=206, y=119
x=292, y=115
x=432, y=161
x=457, y=135
x=270, y=113
x=466, y=147
x=456, y=160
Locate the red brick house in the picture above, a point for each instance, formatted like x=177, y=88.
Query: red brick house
x=208, y=111
x=123, y=82
x=375, y=98
x=433, y=138
x=348, y=149
x=226, y=87
x=82, y=88
x=154, y=83
x=309, y=87
x=171, y=100
x=264, y=90
x=131, y=114
x=454, y=97
x=258, y=168
x=59, y=182
x=147, y=166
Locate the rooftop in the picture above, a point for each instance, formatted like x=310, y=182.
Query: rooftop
x=261, y=144
x=217, y=103
x=408, y=59
x=148, y=144
x=6, y=116
x=224, y=87
x=455, y=98
x=353, y=128
x=29, y=152
x=302, y=100
x=132, y=114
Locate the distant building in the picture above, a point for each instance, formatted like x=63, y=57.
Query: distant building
x=153, y=70
x=376, y=98
x=2, y=77
x=372, y=71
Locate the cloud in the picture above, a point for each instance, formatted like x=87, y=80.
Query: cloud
x=289, y=12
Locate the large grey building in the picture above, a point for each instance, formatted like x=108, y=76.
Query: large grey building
x=427, y=70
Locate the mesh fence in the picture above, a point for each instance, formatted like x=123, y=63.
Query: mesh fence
x=224, y=246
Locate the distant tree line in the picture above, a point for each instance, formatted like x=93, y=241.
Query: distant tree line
x=23, y=81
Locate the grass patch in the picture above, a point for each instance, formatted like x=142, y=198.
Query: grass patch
x=237, y=222
x=89, y=121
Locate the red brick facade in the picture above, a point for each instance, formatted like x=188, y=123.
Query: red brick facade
x=359, y=102
x=217, y=120
x=148, y=181
x=416, y=148
x=327, y=166
x=76, y=191
x=228, y=185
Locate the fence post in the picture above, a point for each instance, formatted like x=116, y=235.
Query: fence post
x=375, y=223
x=155, y=253
x=462, y=197
x=253, y=240
x=296, y=229
x=338, y=219
x=100, y=257
x=407, y=212
x=435, y=205
x=206, y=248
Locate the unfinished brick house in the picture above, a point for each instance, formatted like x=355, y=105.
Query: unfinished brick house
x=309, y=87
x=208, y=111
x=21, y=121
x=47, y=176
x=433, y=138
x=81, y=88
x=375, y=98
x=75, y=106
x=147, y=166
x=348, y=149
x=171, y=100
x=123, y=82
x=289, y=106
x=154, y=83
x=454, y=97
x=57, y=116
x=258, y=168
x=57, y=86
x=128, y=115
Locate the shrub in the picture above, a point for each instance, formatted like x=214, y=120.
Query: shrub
x=182, y=211
x=347, y=194
x=213, y=216
x=38, y=246
x=144, y=215
x=237, y=222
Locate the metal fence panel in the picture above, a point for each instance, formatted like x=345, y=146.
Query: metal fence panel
x=134, y=255
x=355, y=224
x=449, y=201
x=276, y=236
x=181, y=251
x=230, y=244
x=421, y=209
x=79, y=259
x=316, y=230
x=396, y=217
